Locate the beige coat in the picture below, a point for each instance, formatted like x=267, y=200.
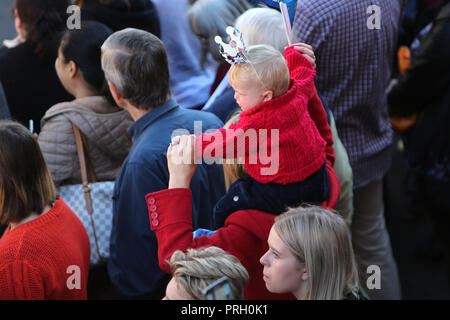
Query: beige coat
x=105, y=128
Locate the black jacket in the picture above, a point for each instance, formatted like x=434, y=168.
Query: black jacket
x=425, y=90
x=30, y=83
x=4, y=110
x=121, y=14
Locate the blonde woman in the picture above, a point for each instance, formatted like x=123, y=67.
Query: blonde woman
x=311, y=256
x=197, y=269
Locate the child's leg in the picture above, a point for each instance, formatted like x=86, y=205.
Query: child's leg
x=272, y=197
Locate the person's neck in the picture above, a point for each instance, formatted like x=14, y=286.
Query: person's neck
x=31, y=217
x=83, y=92
x=136, y=113
x=300, y=294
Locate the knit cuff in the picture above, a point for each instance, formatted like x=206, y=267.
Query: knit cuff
x=299, y=66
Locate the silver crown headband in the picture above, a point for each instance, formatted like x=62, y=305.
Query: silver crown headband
x=235, y=51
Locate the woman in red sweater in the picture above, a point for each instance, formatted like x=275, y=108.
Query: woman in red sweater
x=44, y=252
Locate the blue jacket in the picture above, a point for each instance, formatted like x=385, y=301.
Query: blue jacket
x=133, y=263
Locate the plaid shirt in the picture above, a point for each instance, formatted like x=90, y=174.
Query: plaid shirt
x=354, y=65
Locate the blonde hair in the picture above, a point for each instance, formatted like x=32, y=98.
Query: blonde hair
x=264, y=26
x=266, y=65
x=320, y=240
x=234, y=170
x=198, y=268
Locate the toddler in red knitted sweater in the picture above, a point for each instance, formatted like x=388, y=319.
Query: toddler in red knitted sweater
x=275, y=137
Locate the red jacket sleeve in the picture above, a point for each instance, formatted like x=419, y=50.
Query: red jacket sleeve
x=335, y=188
x=170, y=214
x=319, y=116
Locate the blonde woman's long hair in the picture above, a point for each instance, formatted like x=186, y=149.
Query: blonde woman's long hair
x=321, y=241
x=231, y=168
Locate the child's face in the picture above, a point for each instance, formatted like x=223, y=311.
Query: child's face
x=249, y=95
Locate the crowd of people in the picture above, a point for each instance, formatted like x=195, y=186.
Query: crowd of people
x=245, y=159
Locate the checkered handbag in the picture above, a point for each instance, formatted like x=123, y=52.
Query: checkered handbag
x=100, y=226
x=92, y=203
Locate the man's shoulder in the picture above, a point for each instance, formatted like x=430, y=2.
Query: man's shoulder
x=21, y=52
x=209, y=119
x=146, y=153
x=319, y=8
x=323, y=9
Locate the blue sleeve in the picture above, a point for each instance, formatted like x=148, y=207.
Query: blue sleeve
x=133, y=264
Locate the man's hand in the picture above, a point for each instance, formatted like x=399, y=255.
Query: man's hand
x=307, y=51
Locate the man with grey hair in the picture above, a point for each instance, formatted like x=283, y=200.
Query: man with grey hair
x=136, y=69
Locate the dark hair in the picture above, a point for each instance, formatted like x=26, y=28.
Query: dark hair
x=80, y=3
x=83, y=47
x=43, y=20
x=136, y=62
x=26, y=185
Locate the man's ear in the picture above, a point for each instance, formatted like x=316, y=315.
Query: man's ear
x=115, y=94
x=267, y=95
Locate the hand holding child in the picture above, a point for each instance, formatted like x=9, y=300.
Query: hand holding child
x=307, y=51
x=180, y=161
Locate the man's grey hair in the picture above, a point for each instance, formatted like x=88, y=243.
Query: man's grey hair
x=135, y=61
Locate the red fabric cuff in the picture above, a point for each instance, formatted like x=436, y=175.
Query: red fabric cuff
x=169, y=206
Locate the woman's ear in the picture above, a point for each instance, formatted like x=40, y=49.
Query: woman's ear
x=72, y=68
x=18, y=24
x=305, y=275
x=267, y=95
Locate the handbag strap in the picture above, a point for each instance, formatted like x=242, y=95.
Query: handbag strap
x=83, y=168
x=89, y=164
x=85, y=182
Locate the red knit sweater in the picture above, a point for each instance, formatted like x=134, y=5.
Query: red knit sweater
x=300, y=148
x=35, y=257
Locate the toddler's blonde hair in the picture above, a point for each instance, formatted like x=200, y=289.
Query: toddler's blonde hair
x=268, y=67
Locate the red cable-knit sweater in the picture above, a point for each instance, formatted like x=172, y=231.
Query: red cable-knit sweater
x=301, y=148
x=36, y=257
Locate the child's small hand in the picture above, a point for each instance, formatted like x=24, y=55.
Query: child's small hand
x=307, y=51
